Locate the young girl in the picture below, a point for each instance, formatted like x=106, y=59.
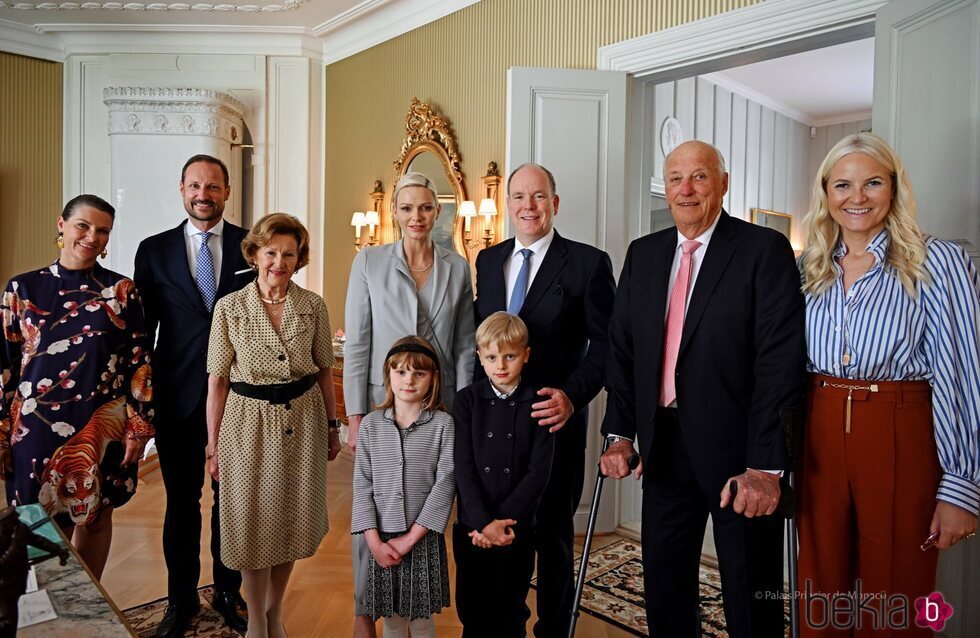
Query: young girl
x=403, y=494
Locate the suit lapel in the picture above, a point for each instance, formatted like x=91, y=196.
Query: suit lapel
x=440, y=278
x=716, y=258
x=231, y=247
x=178, y=262
x=398, y=263
x=554, y=261
x=495, y=283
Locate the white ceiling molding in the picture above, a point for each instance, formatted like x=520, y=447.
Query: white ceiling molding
x=287, y=5
x=844, y=118
x=759, y=98
x=711, y=43
x=190, y=40
x=386, y=22
x=350, y=15
x=21, y=39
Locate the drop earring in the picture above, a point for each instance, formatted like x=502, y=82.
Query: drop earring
x=59, y=241
x=103, y=254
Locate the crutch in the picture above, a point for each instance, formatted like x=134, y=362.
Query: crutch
x=632, y=462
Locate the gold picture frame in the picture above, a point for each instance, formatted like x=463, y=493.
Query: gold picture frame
x=781, y=222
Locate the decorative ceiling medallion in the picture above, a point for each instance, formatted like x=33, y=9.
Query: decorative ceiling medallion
x=423, y=125
x=286, y=5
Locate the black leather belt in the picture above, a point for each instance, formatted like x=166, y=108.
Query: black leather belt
x=275, y=393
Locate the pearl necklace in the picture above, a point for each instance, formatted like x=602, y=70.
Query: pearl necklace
x=420, y=269
x=271, y=302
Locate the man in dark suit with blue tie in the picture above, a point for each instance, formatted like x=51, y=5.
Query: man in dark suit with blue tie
x=180, y=273
x=564, y=291
x=707, y=363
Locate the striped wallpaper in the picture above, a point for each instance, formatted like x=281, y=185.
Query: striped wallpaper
x=30, y=162
x=459, y=64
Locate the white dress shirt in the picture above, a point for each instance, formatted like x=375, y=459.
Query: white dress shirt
x=192, y=241
x=696, y=257
x=513, y=264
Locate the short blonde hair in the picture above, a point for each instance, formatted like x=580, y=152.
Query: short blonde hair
x=906, y=244
x=277, y=224
x=414, y=179
x=502, y=328
x=414, y=361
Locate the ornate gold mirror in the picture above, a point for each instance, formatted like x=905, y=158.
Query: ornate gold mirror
x=429, y=148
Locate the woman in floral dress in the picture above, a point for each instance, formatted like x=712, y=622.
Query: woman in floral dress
x=75, y=384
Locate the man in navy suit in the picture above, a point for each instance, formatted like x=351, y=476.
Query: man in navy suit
x=707, y=360
x=564, y=291
x=180, y=273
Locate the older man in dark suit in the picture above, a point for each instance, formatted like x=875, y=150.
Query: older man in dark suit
x=707, y=355
x=563, y=290
x=180, y=273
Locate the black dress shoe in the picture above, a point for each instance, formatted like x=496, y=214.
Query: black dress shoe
x=175, y=621
x=232, y=608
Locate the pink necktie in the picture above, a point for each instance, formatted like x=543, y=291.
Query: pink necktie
x=675, y=322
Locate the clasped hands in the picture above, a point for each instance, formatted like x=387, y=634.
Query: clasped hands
x=496, y=533
x=389, y=553
x=758, y=491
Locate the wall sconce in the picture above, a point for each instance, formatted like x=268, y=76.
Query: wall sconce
x=358, y=221
x=372, y=220
x=467, y=210
x=488, y=208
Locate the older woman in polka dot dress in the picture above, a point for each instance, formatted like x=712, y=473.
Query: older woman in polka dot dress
x=271, y=419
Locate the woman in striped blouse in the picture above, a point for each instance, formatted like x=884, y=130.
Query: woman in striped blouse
x=890, y=458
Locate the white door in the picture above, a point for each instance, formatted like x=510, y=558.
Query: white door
x=927, y=105
x=574, y=123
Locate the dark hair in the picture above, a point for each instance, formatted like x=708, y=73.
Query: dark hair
x=207, y=159
x=277, y=224
x=87, y=200
x=551, y=178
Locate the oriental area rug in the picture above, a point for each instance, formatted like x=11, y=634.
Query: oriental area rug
x=614, y=590
x=206, y=624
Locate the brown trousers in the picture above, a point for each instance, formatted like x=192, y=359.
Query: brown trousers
x=866, y=501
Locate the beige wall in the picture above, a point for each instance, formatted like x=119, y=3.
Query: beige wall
x=459, y=65
x=30, y=162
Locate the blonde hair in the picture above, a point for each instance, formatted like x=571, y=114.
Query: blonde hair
x=502, y=328
x=414, y=361
x=277, y=224
x=414, y=179
x=906, y=244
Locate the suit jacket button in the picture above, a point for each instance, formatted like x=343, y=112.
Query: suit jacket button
x=282, y=357
x=512, y=404
x=487, y=470
x=506, y=470
x=492, y=402
x=509, y=435
x=489, y=435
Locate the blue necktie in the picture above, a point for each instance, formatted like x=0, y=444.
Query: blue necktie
x=205, y=273
x=520, y=286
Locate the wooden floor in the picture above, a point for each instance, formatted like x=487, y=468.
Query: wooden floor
x=320, y=599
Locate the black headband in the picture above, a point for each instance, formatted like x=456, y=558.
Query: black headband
x=414, y=347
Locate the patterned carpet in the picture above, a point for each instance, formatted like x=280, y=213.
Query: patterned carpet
x=207, y=624
x=614, y=590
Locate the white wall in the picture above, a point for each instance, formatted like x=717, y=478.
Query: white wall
x=766, y=151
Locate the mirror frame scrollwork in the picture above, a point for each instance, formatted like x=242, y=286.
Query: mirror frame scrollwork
x=427, y=132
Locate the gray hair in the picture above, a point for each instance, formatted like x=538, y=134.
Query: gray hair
x=551, y=178
x=414, y=179
x=721, y=158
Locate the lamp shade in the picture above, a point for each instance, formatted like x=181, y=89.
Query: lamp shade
x=358, y=219
x=371, y=218
x=467, y=209
x=488, y=207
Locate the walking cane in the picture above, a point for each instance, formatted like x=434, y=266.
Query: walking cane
x=792, y=420
x=632, y=462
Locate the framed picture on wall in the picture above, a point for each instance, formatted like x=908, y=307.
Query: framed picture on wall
x=781, y=222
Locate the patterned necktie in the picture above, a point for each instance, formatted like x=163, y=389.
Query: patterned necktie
x=205, y=273
x=674, y=329
x=520, y=286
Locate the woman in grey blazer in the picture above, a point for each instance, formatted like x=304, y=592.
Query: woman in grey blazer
x=410, y=287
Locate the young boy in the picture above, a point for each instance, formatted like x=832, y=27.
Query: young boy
x=503, y=461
